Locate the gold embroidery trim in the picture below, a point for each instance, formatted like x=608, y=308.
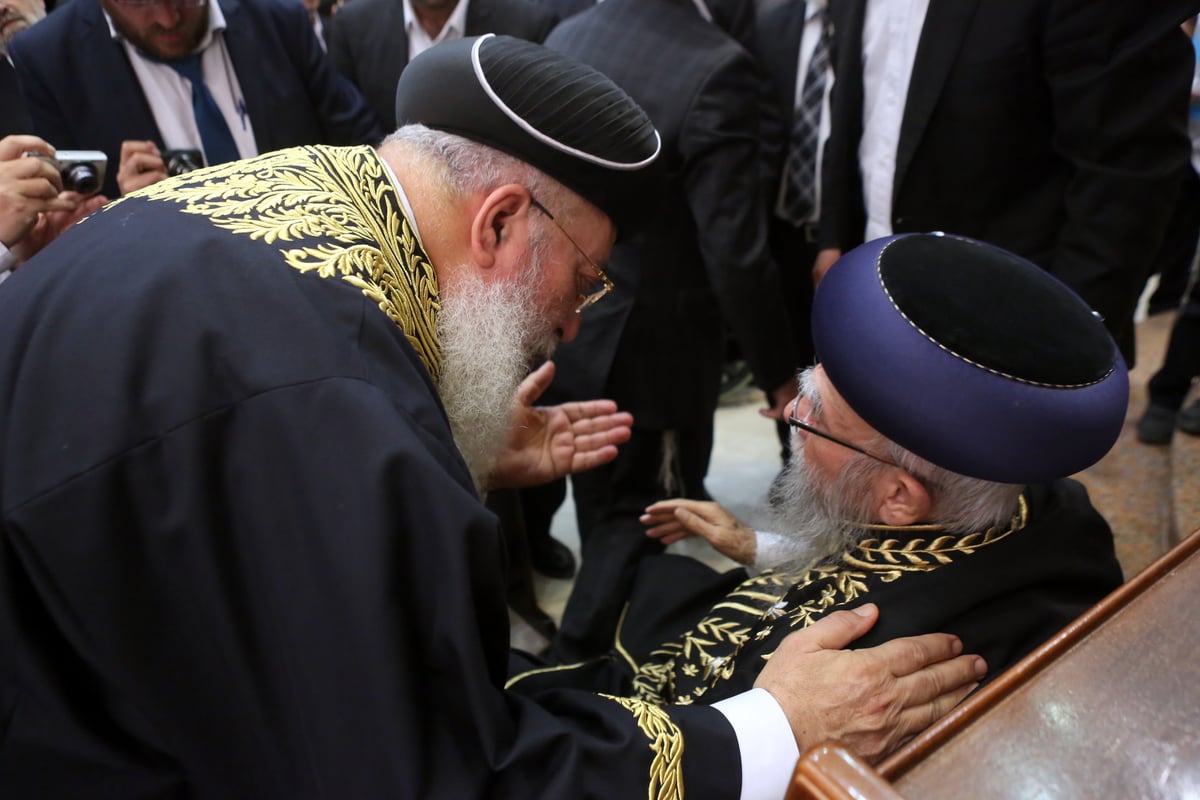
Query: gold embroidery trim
x=333, y=211
x=845, y=580
x=666, y=742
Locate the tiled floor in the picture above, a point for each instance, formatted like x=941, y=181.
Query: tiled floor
x=1150, y=495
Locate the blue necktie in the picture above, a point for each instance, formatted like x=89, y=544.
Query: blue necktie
x=218, y=143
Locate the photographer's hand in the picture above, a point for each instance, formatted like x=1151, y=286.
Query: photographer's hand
x=141, y=166
x=51, y=223
x=28, y=187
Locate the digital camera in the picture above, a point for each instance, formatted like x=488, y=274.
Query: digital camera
x=81, y=170
x=181, y=161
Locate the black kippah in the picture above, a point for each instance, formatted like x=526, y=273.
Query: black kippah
x=551, y=111
x=987, y=306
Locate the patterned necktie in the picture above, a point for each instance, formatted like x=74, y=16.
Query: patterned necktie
x=218, y=143
x=800, y=191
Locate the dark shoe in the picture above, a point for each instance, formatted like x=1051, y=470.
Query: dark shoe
x=1189, y=419
x=1156, y=425
x=552, y=558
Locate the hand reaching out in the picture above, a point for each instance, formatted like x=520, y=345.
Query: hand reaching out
x=548, y=442
x=673, y=520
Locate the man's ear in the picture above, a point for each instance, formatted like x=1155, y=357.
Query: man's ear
x=902, y=499
x=500, y=226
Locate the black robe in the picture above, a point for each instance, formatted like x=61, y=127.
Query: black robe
x=240, y=555
x=693, y=636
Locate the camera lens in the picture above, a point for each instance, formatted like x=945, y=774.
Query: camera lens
x=181, y=162
x=80, y=178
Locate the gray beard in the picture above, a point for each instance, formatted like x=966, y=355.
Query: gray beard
x=490, y=333
x=817, y=521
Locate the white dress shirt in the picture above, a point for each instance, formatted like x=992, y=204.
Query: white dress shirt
x=419, y=41
x=169, y=94
x=891, y=33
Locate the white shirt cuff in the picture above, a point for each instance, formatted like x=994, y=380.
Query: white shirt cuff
x=765, y=741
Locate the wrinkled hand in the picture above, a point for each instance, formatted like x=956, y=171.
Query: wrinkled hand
x=28, y=187
x=141, y=166
x=673, y=520
x=548, y=442
x=871, y=700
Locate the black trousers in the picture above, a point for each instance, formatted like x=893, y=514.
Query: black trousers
x=1169, y=386
x=795, y=250
x=608, y=502
x=1181, y=363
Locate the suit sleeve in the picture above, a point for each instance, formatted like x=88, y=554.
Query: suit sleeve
x=47, y=117
x=720, y=146
x=1119, y=82
x=345, y=117
x=274, y=614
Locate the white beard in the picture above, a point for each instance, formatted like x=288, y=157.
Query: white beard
x=818, y=521
x=490, y=333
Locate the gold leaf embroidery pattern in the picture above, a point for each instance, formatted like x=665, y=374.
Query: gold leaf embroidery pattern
x=683, y=670
x=666, y=742
x=330, y=210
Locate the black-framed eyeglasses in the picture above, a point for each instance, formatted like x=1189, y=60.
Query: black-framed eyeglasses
x=593, y=290
x=807, y=428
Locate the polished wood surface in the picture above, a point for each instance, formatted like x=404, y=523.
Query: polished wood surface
x=1108, y=708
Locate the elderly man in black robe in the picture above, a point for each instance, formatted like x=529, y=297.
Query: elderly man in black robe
x=246, y=415
x=957, y=385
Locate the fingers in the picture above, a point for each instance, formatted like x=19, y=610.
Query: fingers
x=835, y=631
x=535, y=384
x=913, y=653
x=937, y=680
x=141, y=165
x=582, y=461
x=584, y=411
x=917, y=718
x=594, y=434
x=17, y=145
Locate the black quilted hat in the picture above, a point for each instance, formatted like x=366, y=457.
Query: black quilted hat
x=551, y=111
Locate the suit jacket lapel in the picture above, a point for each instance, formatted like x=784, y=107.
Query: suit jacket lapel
x=393, y=57
x=103, y=58
x=13, y=118
x=782, y=26
x=478, y=19
x=241, y=40
x=942, y=37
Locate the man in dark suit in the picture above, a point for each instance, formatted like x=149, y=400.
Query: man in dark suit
x=1053, y=129
x=90, y=89
x=371, y=42
x=701, y=258
x=788, y=35
x=15, y=16
x=566, y=8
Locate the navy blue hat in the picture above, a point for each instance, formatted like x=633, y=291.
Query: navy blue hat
x=562, y=116
x=971, y=357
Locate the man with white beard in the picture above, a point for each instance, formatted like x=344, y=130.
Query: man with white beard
x=957, y=385
x=245, y=418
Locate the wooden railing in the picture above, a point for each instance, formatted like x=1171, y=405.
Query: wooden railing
x=1108, y=708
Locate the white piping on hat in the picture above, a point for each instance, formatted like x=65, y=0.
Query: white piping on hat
x=543, y=138
x=703, y=9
